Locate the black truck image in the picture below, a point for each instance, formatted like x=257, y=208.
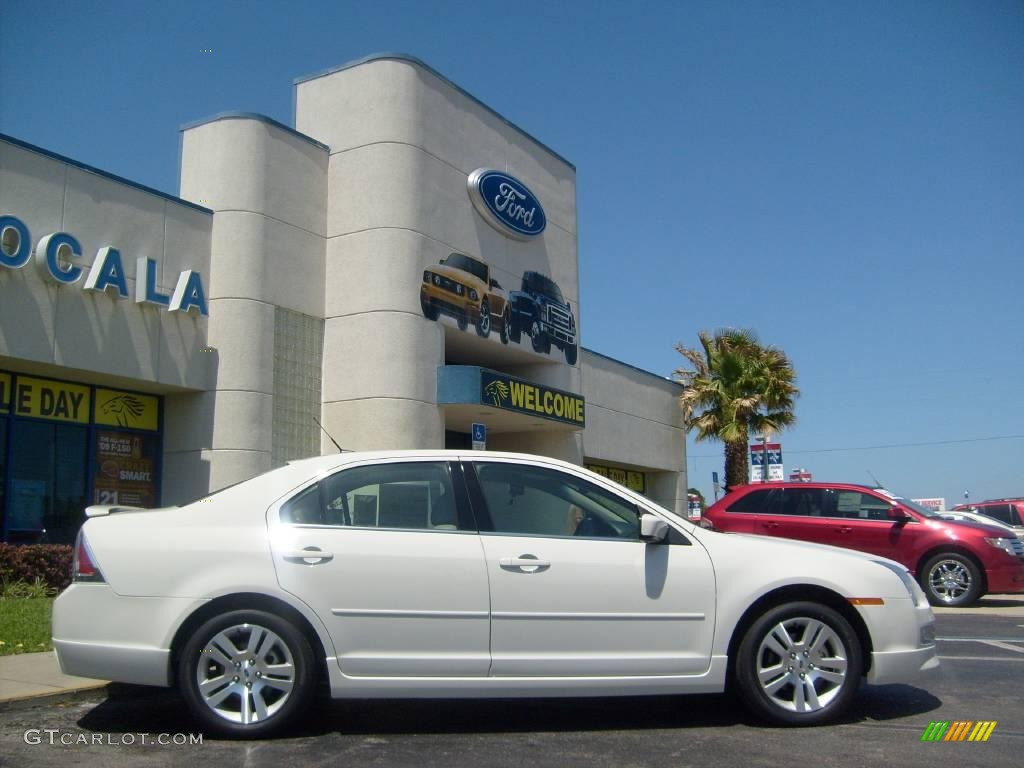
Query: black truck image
x=540, y=311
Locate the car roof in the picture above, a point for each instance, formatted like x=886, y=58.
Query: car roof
x=798, y=484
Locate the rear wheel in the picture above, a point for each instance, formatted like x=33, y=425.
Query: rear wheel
x=246, y=673
x=951, y=579
x=799, y=664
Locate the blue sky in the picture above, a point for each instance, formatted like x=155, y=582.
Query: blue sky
x=846, y=178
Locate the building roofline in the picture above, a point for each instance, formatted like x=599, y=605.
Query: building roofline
x=409, y=59
x=662, y=379
x=254, y=116
x=100, y=172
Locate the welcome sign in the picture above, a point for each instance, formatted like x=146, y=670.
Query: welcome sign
x=511, y=394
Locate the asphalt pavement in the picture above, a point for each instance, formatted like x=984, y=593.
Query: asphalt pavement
x=980, y=679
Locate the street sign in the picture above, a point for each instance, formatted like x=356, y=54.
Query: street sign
x=479, y=437
x=757, y=461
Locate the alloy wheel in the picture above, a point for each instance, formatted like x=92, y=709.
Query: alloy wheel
x=245, y=673
x=801, y=664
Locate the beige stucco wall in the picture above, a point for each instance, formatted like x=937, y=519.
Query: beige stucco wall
x=268, y=189
x=633, y=420
x=46, y=327
x=403, y=142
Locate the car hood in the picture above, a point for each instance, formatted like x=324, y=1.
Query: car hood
x=459, y=275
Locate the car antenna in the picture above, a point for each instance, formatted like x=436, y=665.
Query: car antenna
x=340, y=449
x=877, y=484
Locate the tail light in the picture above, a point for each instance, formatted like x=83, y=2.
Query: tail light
x=84, y=567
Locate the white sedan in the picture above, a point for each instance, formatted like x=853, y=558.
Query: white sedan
x=471, y=574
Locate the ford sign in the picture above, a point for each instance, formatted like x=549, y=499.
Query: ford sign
x=506, y=204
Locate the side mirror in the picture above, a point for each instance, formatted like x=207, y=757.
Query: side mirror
x=653, y=529
x=495, y=284
x=899, y=514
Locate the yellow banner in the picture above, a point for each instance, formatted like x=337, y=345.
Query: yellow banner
x=5, y=392
x=57, y=400
x=127, y=409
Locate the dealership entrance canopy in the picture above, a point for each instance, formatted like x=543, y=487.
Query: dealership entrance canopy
x=400, y=264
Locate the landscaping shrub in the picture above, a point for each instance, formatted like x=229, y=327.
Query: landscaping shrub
x=50, y=563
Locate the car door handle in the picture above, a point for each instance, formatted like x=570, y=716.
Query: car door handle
x=770, y=525
x=524, y=563
x=308, y=555
x=845, y=529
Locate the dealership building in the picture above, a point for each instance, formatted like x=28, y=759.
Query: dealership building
x=401, y=266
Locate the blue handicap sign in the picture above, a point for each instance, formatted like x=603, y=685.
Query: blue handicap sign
x=479, y=433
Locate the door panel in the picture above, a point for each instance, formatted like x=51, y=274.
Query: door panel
x=402, y=590
x=574, y=592
x=598, y=608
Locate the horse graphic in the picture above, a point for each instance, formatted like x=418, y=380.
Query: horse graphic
x=497, y=391
x=124, y=408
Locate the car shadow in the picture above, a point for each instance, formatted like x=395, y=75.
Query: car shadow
x=131, y=709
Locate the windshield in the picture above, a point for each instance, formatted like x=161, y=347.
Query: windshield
x=546, y=286
x=467, y=264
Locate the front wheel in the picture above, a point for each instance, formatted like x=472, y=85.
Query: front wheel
x=483, y=324
x=246, y=673
x=540, y=341
x=799, y=664
x=951, y=580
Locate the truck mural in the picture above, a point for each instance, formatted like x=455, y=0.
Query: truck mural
x=462, y=287
x=540, y=311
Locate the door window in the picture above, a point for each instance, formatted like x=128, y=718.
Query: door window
x=767, y=501
x=808, y=502
x=1000, y=512
x=413, y=495
x=535, y=501
x=861, y=506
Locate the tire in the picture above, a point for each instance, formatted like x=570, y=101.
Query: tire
x=505, y=320
x=514, y=332
x=540, y=340
x=571, y=352
x=798, y=664
x=282, y=655
x=429, y=310
x=462, y=322
x=951, y=580
x=483, y=324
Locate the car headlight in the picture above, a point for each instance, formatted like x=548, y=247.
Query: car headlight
x=913, y=588
x=1008, y=545
x=459, y=289
x=437, y=279
x=473, y=295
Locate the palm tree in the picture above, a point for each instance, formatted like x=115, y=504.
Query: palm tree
x=736, y=387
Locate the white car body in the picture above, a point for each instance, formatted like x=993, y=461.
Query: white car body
x=442, y=612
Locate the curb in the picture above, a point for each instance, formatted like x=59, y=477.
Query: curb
x=47, y=698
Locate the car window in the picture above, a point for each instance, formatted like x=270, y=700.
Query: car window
x=861, y=506
x=808, y=502
x=767, y=501
x=413, y=495
x=545, y=502
x=1000, y=512
x=1015, y=513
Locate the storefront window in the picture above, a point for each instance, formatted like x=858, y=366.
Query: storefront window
x=46, y=498
x=125, y=469
x=64, y=446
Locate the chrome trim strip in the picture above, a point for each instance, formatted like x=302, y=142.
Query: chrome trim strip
x=375, y=613
x=599, y=616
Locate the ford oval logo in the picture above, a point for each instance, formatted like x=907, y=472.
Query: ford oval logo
x=506, y=204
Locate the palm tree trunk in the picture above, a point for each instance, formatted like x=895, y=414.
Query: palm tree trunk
x=736, y=467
